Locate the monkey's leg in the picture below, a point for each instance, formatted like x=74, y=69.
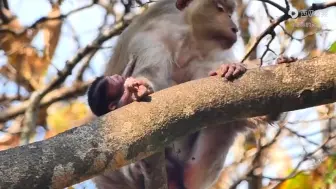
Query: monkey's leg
x=208, y=155
x=155, y=173
x=127, y=177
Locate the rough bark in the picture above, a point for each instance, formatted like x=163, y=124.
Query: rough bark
x=140, y=129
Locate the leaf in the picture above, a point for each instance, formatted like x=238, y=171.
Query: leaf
x=30, y=66
x=290, y=25
x=52, y=31
x=329, y=166
x=299, y=4
x=330, y=177
x=332, y=48
x=300, y=181
x=9, y=141
x=63, y=116
x=50, y=133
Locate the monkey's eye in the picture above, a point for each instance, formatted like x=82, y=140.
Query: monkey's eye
x=220, y=7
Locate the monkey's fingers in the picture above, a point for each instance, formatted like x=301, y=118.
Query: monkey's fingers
x=129, y=82
x=223, y=70
x=240, y=69
x=132, y=84
x=284, y=60
x=229, y=73
x=142, y=91
x=212, y=73
x=141, y=82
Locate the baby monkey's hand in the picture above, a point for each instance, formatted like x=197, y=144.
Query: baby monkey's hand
x=138, y=88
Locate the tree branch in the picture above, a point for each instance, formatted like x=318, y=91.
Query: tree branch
x=140, y=129
x=76, y=89
x=284, y=17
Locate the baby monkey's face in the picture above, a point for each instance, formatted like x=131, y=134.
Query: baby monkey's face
x=122, y=91
x=115, y=86
x=115, y=90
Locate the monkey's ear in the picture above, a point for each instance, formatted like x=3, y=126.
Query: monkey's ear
x=111, y=106
x=219, y=6
x=181, y=4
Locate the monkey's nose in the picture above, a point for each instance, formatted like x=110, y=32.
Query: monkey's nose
x=235, y=30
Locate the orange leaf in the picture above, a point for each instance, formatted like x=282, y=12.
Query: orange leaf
x=9, y=141
x=52, y=30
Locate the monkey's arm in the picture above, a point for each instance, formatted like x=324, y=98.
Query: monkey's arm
x=153, y=60
x=207, y=157
x=151, y=70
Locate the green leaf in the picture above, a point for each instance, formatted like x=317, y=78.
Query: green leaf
x=332, y=48
x=330, y=177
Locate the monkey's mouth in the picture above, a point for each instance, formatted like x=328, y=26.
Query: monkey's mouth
x=231, y=39
x=227, y=42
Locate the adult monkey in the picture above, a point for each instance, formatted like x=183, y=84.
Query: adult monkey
x=169, y=47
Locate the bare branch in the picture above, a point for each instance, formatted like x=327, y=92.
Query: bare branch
x=284, y=17
x=76, y=89
x=6, y=98
x=284, y=10
x=296, y=171
x=44, y=19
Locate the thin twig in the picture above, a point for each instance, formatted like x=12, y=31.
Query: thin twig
x=76, y=89
x=284, y=10
x=282, y=18
x=295, y=171
x=44, y=19
x=85, y=64
x=3, y=17
x=255, y=159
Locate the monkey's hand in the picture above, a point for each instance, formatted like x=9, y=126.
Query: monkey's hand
x=138, y=88
x=285, y=60
x=229, y=71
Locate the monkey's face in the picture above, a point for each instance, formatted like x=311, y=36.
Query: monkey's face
x=211, y=20
x=115, y=89
x=223, y=29
x=115, y=85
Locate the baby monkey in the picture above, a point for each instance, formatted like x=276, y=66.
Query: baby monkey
x=108, y=93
